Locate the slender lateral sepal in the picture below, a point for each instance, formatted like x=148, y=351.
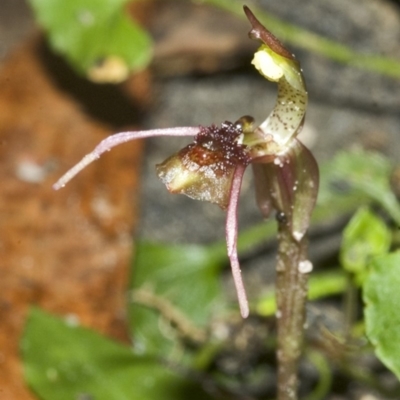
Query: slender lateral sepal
x=108, y=143
x=231, y=239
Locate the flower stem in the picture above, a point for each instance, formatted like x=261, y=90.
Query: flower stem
x=291, y=295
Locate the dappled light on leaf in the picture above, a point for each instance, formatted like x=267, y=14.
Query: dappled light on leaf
x=382, y=297
x=365, y=236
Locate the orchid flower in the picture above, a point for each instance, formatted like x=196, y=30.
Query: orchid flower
x=212, y=167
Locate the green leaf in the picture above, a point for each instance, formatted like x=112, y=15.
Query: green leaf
x=90, y=33
x=186, y=278
x=365, y=236
x=359, y=174
x=66, y=362
x=382, y=317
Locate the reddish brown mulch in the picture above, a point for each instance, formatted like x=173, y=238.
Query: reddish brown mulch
x=66, y=251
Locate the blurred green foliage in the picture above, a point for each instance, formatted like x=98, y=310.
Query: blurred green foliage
x=365, y=236
x=101, y=41
x=97, y=37
x=382, y=317
x=67, y=362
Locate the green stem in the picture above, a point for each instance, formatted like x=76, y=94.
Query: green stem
x=350, y=306
x=324, y=384
x=291, y=295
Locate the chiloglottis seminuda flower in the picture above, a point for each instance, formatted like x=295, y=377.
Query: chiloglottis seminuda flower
x=212, y=167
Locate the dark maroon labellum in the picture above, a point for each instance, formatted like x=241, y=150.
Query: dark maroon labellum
x=221, y=145
x=204, y=169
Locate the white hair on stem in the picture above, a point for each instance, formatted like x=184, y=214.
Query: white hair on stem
x=231, y=230
x=119, y=138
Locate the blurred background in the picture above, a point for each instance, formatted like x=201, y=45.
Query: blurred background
x=69, y=251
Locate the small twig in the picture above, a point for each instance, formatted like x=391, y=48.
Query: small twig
x=350, y=307
x=170, y=313
x=346, y=358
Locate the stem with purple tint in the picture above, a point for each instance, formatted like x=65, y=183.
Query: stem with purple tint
x=291, y=295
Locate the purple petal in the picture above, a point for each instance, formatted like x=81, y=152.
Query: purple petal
x=263, y=190
x=289, y=184
x=231, y=239
x=306, y=184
